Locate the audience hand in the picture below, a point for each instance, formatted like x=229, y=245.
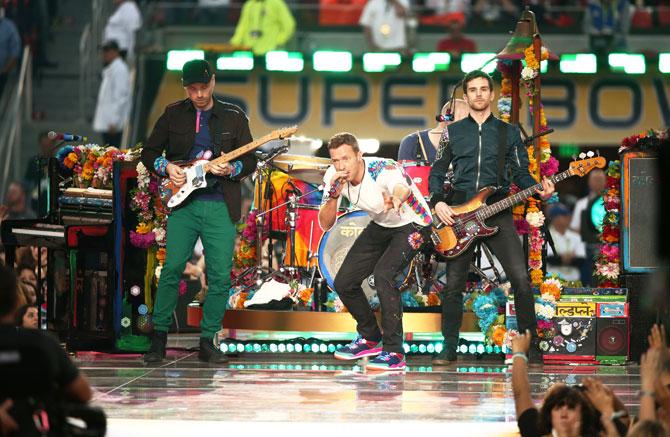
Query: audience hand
x=7, y=423
x=600, y=396
x=657, y=337
x=521, y=343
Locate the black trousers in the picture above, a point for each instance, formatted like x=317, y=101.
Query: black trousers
x=506, y=246
x=383, y=252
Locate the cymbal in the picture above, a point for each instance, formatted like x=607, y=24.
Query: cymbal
x=303, y=167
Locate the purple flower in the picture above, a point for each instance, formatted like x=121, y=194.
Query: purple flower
x=521, y=226
x=550, y=167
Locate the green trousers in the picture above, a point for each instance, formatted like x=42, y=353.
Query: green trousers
x=210, y=221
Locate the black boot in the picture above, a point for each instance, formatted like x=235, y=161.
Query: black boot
x=156, y=352
x=445, y=357
x=535, y=355
x=209, y=353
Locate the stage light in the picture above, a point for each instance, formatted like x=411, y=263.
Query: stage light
x=586, y=63
x=368, y=145
x=337, y=61
x=414, y=348
x=290, y=348
x=280, y=60
x=406, y=348
x=223, y=347
x=463, y=348
x=629, y=63
x=331, y=348
x=273, y=348
x=472, y=348
x=142, y=309
x=480, y=348
x=177, y=58
x=323, y=348
x=239, y=348
x=430, y=348
x=135, y=290
x=430, y=62
x=281, y=348
x=248, y=348
x=256, y=347
x=315, y=348
x=496, y=349
x=664, y=62
x=476, y=61
x=438, y=347
x=298, y=347
x=422, y=348
x=236, y=61
x=489, y=349
x=378, y=62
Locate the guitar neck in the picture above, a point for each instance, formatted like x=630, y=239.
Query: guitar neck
x=508, y=202
x=227, y=157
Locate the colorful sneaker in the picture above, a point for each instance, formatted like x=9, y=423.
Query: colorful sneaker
x=359, y=348
x=388, y=361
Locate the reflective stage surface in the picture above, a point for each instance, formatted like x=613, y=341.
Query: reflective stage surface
x=301, y=394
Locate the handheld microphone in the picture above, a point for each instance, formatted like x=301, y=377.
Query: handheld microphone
x=65, y=136
x=334, y=187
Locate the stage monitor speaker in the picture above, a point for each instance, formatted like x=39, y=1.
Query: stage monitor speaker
x=612, y=333
x=640, y=184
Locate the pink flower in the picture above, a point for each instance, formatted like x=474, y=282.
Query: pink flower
x=142, y=241
x=535, y=264
x=609, y=270
x=545, y=324
x=611, y=252
x=182, y=287
x=521, y=226
x=550, y=167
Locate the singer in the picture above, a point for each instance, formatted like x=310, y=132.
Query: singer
x=198, y=127
x=400, y=222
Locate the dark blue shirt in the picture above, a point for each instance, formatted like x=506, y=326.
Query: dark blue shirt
x=410, y=149
x=203, y=144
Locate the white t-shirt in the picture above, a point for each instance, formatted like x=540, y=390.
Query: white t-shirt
x=123, y=24
x=580, y=206
x=388, y=29
x=382, y=175
x=570, y=242
x=113, y=106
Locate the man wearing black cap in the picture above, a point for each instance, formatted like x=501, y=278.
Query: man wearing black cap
x=113, y=106
x=198, y=127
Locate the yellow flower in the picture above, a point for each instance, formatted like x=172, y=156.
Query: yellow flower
x=143, y=228
x=498, y=335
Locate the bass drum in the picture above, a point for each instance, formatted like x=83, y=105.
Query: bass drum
x=336, y=243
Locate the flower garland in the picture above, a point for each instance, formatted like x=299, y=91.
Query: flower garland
x=649, y=141
x=488, y=304
x=91, y=165
x=528, y=218
x=608, y=260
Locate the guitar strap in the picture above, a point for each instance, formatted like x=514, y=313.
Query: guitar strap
x=502, y=149
x=423, y=149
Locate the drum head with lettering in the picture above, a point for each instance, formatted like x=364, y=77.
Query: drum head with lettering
x=336, y=243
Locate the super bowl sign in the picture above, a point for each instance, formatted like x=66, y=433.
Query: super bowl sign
x=583, y=109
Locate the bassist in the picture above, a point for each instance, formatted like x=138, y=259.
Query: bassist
x=199, y=127
x=475, y=145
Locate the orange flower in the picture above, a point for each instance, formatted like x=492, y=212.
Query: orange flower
x=536, y=277
x=305, y=294
x=160, y=255
x=143, y=228
x=498, y=336
x=433, y=299
x=240, y=301
x=552, y=289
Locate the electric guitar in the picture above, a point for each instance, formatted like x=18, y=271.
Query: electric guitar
x=452, y=240
x=196, y=170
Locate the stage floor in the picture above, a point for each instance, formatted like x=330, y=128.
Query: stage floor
x=301, y=395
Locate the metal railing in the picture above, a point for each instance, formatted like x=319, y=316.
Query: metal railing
x=17, y=107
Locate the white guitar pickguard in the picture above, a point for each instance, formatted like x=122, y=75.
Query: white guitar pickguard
x=195, y=179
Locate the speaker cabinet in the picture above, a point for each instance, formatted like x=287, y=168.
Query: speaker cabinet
x=613, y=333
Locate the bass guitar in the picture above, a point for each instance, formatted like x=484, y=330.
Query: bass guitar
x=452, y=240
x=195, y=171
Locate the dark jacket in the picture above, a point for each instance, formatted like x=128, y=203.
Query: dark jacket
x=174, y=133
x=473, y=152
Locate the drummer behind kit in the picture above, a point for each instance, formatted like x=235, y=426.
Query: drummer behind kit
x=196, y=170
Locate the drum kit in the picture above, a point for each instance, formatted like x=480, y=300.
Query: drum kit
x=288, y=193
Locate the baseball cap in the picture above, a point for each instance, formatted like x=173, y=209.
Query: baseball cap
x=558, y=210
x=196, y=71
